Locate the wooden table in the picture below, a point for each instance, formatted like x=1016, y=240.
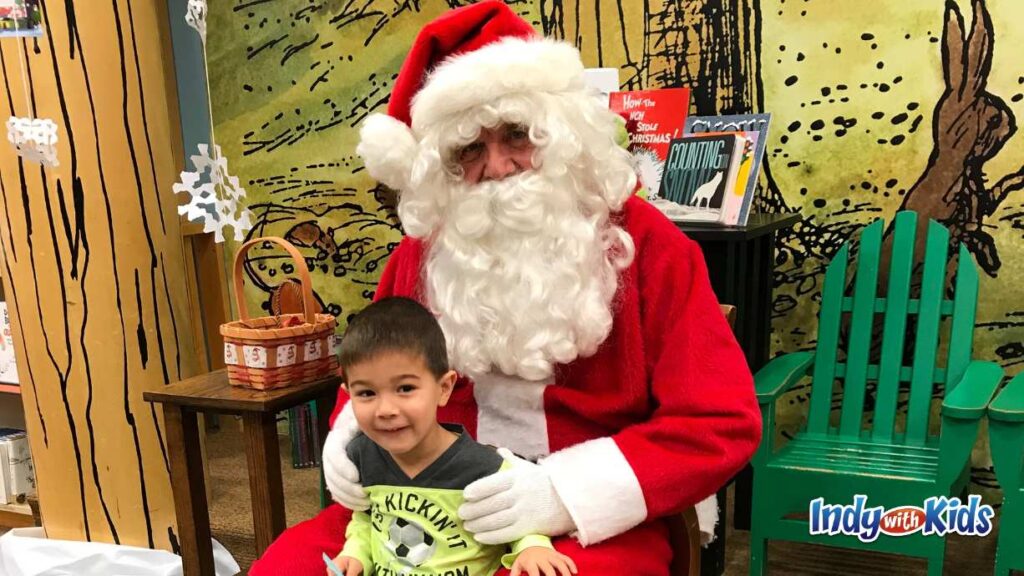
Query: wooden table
x=212, y=394
x=741, y=265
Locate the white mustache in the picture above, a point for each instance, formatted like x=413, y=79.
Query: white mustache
x=516, y=204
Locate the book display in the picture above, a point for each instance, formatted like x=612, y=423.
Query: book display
x=653, y=119
x=755, y=129
x=700, y=179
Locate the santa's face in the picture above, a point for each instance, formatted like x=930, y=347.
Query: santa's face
x=496, y=154
x=521, y=267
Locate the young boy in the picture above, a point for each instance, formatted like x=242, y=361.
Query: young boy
x=413, y=468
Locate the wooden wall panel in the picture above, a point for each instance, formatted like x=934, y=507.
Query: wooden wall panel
x=94, y=265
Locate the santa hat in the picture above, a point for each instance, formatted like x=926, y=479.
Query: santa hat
x=467, y=57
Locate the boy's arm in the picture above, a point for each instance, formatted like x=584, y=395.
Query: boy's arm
x=528, y=541
x=357, y=541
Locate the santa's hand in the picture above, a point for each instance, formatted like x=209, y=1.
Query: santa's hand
x=514, y=502
x=340, y=474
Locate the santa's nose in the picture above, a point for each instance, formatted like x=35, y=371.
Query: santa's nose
x=499, y=162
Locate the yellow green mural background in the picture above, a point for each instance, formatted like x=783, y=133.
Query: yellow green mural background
x=852, y=85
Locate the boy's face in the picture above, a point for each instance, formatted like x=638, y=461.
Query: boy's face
x=395, y=399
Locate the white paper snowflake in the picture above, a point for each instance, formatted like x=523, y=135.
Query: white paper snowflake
x=215, y=196
x=34, y=139
x=196, y=17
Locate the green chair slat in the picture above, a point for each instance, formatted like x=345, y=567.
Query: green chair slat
x=897, y=309
x=912, y=306
x=965, y=307
x=865, y=291
x=828, y=343
x=905, y=373
x=933, y=279
x=857, y=458
x=896, y=447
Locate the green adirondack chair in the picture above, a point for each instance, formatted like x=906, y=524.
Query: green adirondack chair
x=1006, y=439
x=836, y=456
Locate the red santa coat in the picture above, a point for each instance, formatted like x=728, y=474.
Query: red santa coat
x=658, y=419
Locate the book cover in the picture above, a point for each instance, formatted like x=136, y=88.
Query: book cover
x=738, y=122
x=700, y=177
x=653, y=118
x=745, y=187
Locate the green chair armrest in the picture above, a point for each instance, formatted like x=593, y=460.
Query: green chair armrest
x=780, y=374
x=972, y=395
x=1009, y=405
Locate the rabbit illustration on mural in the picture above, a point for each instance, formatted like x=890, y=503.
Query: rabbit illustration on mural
x=969, y=127
x=706, y=191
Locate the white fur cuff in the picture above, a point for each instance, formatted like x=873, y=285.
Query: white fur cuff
x=388, y=150
x=598, y=487
x=707, y=518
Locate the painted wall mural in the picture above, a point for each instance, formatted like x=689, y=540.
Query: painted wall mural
x=290, y=82
x=917, y=110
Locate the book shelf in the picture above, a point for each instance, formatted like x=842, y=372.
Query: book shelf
x=12, y=415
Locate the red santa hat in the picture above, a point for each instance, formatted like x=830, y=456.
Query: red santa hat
x=467, y=57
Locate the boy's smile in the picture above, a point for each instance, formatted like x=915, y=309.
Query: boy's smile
x=395, y=399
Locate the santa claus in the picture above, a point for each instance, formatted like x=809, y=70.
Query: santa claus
x=582, y=320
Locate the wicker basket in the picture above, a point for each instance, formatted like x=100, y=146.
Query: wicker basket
x=277, y=351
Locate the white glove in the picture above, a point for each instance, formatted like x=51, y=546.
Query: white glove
x=514, y=502
x=340, y=474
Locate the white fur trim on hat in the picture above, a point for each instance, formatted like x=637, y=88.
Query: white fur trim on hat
x=509, y=66
x=388, y=149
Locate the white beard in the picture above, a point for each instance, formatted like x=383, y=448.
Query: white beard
x=523, y=272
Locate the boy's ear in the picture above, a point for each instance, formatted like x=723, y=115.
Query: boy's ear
x=447, y=385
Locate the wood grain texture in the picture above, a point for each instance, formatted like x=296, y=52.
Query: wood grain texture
x=93, y=266
x=212, y=393
x=190, y=504
x=263, y=458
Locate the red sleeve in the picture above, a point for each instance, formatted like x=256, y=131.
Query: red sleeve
x=707, y=424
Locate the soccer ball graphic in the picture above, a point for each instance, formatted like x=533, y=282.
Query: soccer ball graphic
x=410, y=544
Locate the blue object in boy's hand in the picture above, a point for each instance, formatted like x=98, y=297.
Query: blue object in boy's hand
x=332, y=566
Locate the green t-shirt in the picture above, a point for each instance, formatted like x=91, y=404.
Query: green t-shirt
x=412, y=527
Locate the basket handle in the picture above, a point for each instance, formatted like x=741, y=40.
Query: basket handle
x=304, y=278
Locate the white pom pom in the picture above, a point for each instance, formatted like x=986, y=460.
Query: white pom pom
x=388, y=149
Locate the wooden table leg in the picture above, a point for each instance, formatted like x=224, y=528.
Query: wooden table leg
x=264, y=460
x=189, y=489
x=324, y=407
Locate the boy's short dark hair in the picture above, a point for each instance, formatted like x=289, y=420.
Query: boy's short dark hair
x=395, y=325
